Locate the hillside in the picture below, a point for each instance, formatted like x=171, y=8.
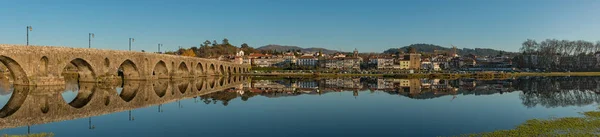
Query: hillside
x=281, y=48
x=429, y=48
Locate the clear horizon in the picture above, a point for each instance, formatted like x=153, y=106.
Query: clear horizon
x=369, y=26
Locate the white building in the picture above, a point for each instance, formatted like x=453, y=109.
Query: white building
x=310, y=61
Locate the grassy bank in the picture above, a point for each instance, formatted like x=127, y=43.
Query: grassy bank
x=586, y=126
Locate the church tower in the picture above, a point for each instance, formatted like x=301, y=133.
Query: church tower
x=355, y=53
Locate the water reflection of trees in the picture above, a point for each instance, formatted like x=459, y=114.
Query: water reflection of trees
x=542, y=91
x=225, y=96
x=559, y=91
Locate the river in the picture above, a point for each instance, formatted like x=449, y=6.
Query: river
x=259, y=106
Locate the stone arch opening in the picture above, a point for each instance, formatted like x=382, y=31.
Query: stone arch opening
x=160, y=87
x=235, y=70
x=43, y=68
x=128, y=70
x=45, y=107
x=18, y=94
x=182, y=70
x=228, y=71
x=106, y=62
x=80, y=70
x=182, y=86
x=11, y=70
x=106, y=100
x=199, y=85
x=128, y=90
x=78, y=95
x=212, y=69
x=221, y=82
x=212, y=83
x=221, y=70
x=160, y=70
x=199, y=69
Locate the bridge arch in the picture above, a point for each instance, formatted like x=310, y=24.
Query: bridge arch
x=160, y=87
x=199, y=69
x=17, y=74
x=106, y=63
x=128, y=70
x=228, y=71
x=211, y=83
x=128, y=90
x=183, y=69
x=160, y=70
x=212, y=69
x=18, y=97
x=221, y=70
x=79, y=69
x=183, y=86
x=43, y=67
x=199, y=85
x=85, y=92
x=221, y=81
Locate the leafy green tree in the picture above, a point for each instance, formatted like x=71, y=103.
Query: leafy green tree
x=225, y=41
x=206, y=43
x=244, y=46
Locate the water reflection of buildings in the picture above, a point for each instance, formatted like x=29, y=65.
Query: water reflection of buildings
x=547, y=92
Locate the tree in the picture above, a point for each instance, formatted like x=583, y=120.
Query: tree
x=206, y=43
x=189, y=53
x=215, y=43
x=411, y=50
x=245, y=46
x=225, y=41
x=529, y=46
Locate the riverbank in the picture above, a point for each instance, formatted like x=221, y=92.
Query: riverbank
x=482, y=75
x=586, y=126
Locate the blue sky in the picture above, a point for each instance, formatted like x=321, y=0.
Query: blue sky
x=368, y=25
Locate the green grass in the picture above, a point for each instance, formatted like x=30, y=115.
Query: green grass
x=586, y=126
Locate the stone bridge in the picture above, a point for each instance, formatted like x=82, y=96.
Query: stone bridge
x=46, y=65
x=33, y=105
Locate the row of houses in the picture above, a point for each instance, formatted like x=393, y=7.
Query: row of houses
x=414, y=61
x=308, y=60
x=401, y=61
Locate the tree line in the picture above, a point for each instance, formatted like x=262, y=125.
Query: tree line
x=559, y=47
x=213, y=49
x=558, y=55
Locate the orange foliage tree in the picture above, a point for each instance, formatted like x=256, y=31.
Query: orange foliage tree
x=189, y=53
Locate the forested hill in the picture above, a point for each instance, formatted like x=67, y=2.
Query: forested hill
x=429, y=48
x=281, y=48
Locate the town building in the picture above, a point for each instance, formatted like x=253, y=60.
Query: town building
x=262, y=60
x=308, y=61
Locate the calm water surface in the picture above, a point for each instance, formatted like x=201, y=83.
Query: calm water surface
x=236, y=106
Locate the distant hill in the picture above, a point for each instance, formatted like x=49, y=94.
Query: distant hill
x=429, y=48
x=281, y=48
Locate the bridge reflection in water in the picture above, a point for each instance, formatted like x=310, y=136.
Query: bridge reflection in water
x=33, y=105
